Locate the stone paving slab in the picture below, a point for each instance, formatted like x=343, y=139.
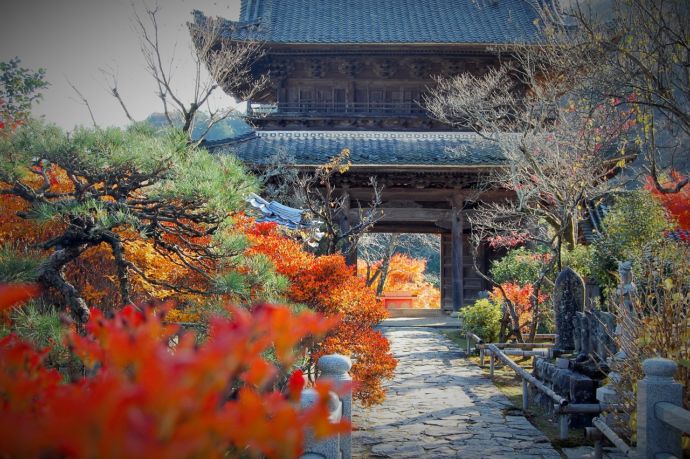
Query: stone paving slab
x=438, y=405
x=587, y=452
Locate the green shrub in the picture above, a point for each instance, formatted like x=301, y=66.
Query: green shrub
x=579, y=259
x=520, y=266
x=634, y=226
x=483, y=318
x=40, y=324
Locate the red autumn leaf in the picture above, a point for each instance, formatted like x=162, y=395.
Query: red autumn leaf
x=295, y=384
x=148, y=398
x=259, y=373
x=53, y=178
x=15, y=294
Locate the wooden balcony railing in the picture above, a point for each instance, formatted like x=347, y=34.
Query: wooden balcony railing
x=336, y=109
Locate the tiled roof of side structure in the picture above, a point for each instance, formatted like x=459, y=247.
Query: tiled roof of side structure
x=387, y=21
x=367, y=148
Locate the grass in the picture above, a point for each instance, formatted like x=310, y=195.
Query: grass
x=456, y=337
x=17, y=265
x=510, y=384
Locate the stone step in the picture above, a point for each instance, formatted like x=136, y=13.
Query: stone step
x=415, y=312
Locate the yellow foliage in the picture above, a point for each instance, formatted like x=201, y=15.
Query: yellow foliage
x=406, y=274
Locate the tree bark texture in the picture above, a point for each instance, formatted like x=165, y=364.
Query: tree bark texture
x=51, y=274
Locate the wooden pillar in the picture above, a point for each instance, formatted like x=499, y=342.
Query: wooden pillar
x=456, y=252
x=446, y=277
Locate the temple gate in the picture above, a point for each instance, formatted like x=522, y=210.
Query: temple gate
x=353, y=75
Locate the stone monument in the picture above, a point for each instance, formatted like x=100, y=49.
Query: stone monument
x=568, y=300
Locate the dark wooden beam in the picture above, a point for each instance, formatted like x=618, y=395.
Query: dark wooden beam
x=398, y=227
x=422, y=195
x=414, y=215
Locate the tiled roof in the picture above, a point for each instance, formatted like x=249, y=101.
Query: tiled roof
x=278, y=213
x=387, y=21
x=367, y=148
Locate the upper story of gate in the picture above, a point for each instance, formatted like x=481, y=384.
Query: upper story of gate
x=366, y=64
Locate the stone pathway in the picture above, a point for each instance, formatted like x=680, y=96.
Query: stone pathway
x=452, y=323
x=440, y=406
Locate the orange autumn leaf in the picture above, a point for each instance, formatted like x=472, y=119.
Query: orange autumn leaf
x=520, y=297
x=144, y=397
x=296, y=384
x=328, y=285
x=15, y=294
x=406, y=274
x=676, y=204
x=259, y=373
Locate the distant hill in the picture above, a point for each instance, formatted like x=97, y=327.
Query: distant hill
x=230, y=127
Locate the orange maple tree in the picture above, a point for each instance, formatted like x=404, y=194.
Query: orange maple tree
x=676, y=204
x=151, y=210
x=327, y=285
x=94, y=273
x=406, y=274
x=152, y=391
x=520, y=297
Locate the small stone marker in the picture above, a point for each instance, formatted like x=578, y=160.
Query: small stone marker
x=603, y=343
x=568, y=300
x=585, y=326
x=562, y=363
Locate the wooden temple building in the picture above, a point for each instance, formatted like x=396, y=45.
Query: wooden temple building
x=352, y=74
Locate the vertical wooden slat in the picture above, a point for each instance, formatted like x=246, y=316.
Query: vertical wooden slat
x=456, y=253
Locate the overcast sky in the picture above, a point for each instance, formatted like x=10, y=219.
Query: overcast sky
x=72, y=39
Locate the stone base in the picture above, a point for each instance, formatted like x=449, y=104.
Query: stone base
x=576, y=387
x=415, y=312
x=607, y=395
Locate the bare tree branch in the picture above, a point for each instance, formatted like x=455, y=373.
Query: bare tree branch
x=111, y=76
x=84, y=102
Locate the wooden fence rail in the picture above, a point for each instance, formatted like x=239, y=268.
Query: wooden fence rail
x=562, y=406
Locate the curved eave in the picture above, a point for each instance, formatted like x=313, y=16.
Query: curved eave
x=333, y=46
x=408, y=167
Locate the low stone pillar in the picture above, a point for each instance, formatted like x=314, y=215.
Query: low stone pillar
x=653, y=435
x=336, y=367
x=328, y=448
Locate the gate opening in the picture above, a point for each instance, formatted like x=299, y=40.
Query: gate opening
x=404, y=269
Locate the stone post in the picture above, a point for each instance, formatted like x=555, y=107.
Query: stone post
x=568, y=299
x=328, y=448
x=583, y=335
x=525, y=395
x=626, y=291
x=607, y=346
x=653, y=435
x=335, y=367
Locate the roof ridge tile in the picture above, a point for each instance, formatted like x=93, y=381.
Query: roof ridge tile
x=391, y=21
